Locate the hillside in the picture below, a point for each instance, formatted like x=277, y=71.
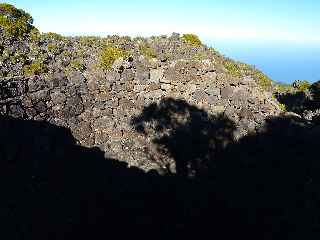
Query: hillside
x=95, y=86
x=153, y=136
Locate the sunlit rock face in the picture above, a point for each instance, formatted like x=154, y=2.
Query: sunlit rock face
x=99, y=106
x=105, y=89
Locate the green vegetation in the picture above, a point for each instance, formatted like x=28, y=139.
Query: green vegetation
x=54, y=49
x=263, y=80
x=53, y=36
x=232, y=67
x=77, y=65
x=147, y=51
x=283, y=107
x=283, y=88
x=297, y=92
x=15, y=22
x=200, y=56
x=34, y=35
x=110, y=54
x=297, y=86
x=192, y=40
x=301, y=86
x=35, y=68
x=18, y=57
x=238, y=69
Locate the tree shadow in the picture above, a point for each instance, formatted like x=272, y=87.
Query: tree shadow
x=275, y=178
x=185, y=133
x=52, y=188
x=264, y=186
x=268, y=182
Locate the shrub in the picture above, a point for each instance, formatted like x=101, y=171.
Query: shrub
x=77, y=65
x=54, y=49
x=18, y=57
x=110, y=54
x=283, y=107
x=301, y=86
x=192, y=40
x=263, y=80
x=53, y=36
x=147, y=51
x=232, y=67
x=35, y=68
x=238, y=69
x=283, y=88
x=34, y=35
x=15, y=22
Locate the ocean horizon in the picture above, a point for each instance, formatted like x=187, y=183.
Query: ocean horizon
x=282, y=62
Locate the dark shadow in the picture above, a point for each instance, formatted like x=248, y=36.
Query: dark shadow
x=185, y=133
x=265, y=186
x=315, y=91
x=294, y=102
x=51, y=188
x=269, y=181
x=273, y=176
x=300, y=101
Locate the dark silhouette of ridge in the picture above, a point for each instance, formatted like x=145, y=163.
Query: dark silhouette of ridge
x=265, y=186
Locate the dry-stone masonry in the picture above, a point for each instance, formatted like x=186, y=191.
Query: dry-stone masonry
x=98, y=106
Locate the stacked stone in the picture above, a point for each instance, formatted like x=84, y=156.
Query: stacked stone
x=98, y=106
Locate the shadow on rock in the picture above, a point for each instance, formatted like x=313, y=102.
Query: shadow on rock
x=294, y=102
x=185, y=133
x=269, y=180
x=273, y=176
x=265, y=186
x=301, y=101
x=54, y=189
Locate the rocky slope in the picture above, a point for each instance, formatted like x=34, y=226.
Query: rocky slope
x=98, y=106
x=97, y=86
x=159, y=136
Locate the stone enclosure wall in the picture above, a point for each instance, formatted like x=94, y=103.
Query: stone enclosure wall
x=99, y=106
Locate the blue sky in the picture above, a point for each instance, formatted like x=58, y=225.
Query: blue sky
x=254, y=20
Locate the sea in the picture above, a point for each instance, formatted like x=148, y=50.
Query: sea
x=282, y=62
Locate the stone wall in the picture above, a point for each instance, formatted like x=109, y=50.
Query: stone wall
x=99, y=106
